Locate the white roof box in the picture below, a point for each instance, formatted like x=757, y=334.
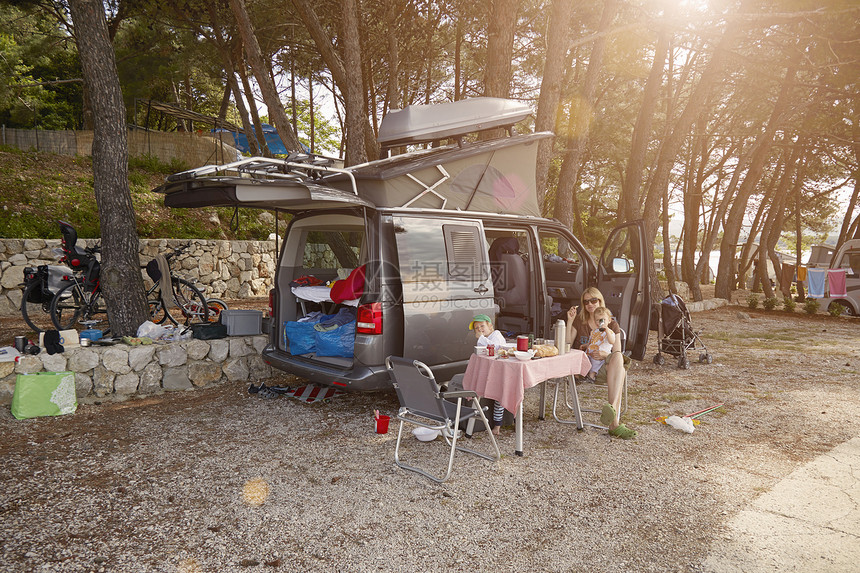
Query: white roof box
x=423, y=123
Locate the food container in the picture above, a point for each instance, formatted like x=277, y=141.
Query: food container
x=425, y=434
x=522, y=343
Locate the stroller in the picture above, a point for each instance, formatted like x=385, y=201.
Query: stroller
x=677, y=336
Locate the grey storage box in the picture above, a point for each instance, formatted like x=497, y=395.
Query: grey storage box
x=242, y=322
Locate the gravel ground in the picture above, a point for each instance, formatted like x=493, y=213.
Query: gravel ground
x=221, y=480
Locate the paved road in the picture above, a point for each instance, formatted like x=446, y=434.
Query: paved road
x=809, y=521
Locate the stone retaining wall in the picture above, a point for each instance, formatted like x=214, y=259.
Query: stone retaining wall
x=122, y=371
x=221, y=269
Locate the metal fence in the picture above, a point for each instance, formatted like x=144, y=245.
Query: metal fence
x=193, y=149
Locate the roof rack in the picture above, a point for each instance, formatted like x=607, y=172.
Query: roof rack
x=298, y=167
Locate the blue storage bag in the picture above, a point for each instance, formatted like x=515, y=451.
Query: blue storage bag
x=300, y=337
x=337, y=342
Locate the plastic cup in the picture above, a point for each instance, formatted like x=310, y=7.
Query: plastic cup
x=382, y=424
x=522, y=343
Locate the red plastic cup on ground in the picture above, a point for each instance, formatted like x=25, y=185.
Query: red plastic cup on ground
x=522, y=343
x=382, y=424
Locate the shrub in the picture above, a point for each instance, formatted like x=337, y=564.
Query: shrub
x=811, y=306
x=770, y=303
x=835, y=309
x=789, y=304
x=752, y=301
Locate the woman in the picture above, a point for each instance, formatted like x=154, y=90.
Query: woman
x=579, y=327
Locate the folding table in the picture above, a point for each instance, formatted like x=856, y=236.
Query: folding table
x=506, y=379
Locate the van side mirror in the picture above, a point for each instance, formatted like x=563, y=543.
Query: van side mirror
x=620, y=265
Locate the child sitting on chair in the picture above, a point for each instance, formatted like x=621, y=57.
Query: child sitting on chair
x=601, y=341
x=482, y=325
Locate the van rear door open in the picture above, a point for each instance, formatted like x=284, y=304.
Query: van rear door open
x=623, y=279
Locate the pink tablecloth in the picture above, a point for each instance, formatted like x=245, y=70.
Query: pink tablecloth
x=505, y=380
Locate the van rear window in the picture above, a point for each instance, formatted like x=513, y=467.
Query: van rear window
x=332, y=249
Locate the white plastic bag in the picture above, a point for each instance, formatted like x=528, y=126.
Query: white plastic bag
x=151, y=330
x=684, y=424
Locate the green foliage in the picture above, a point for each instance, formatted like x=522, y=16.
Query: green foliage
x=811, y=305
x=752, y=301
x=789, y=304
x=35, y=52
x=770, y=303
x=836, y=309
x=154, y=164
x=40, y=188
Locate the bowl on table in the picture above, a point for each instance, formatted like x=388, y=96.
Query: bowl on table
x=524, y=355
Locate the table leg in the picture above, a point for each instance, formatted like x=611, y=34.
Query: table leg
x=577, y=411
x=542, y=400
x=518, y=434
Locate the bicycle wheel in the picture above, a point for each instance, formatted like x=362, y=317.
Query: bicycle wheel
x=216, y=306
x=192, y=304
x=37, y=315
x=157, y=314
x=67, y=307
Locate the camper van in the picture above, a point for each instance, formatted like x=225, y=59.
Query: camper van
x=395, y=256
x=846, y=258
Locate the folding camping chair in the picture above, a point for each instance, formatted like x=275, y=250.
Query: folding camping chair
x=575, y=406
x=423, y=405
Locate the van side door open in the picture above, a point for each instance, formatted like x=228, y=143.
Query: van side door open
x=624, y=280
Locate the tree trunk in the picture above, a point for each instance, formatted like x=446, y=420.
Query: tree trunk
x=760, y=153
x=252, y=102
x=247, y=124
x=392, y=99
x=776, y=222
x=580, y=118
x=354, y=95
x=692, y=202
x=673, y=141
x=334, y=64
x=229, y=69
x=262, y=73
x=458, y=50
x=628, y=205
x=502, y=15
x=120, y=279
x=558, y=41
x=668, y=264
x=852, y=202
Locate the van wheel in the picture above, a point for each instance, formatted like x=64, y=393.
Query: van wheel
x=847, y=309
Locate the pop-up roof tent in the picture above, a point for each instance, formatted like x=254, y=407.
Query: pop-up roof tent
x=495, y=176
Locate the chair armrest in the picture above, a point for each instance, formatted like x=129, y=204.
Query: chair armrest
x=460, y=394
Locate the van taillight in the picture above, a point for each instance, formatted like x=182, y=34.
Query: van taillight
x=272, y=302
x=369, y=319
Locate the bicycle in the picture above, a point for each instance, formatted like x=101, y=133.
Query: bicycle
x=191, y=305
x=40, y=285
x=81, y=301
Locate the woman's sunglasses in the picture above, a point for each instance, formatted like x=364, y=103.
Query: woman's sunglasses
x=592, y=301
